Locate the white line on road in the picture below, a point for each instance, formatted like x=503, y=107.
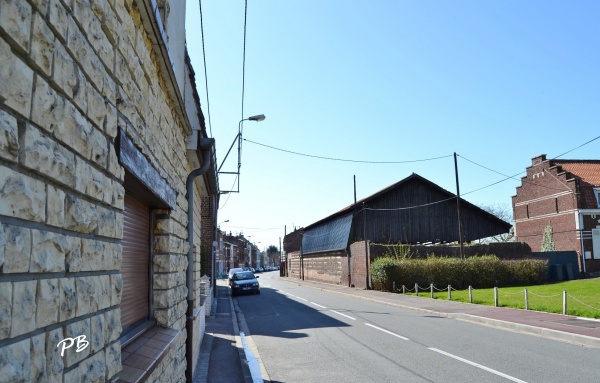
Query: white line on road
x=302, y=299
x=344, y=315
x=386, y=331
x=478, y=365
x=318, y=305
x=252, y=362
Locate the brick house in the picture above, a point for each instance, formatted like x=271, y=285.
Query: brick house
x=100, y=125
x=565, y=195
x=236, y=251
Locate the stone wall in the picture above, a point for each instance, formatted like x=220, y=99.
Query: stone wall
x=73, y=74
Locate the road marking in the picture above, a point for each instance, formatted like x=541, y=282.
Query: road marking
x=318, y=305
x=344, y=315
x=252, y=361
x=386, y=331
x=479, y=366
x=302, y=299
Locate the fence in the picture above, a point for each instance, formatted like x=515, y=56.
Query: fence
x=566, y=299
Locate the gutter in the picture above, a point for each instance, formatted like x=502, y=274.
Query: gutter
x=206, y=145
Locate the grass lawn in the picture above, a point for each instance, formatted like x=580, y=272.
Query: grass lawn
x=581, y=294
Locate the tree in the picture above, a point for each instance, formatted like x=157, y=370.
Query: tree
x=548, y=240
x=504, y=212
x=273, y=253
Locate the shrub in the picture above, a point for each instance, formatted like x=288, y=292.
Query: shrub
x=480, y=272
x=383, y=271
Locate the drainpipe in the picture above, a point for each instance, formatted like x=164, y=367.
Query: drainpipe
x=205, y=145
x=581, y=228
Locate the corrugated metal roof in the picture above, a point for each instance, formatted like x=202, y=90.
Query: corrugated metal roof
x=328, y=236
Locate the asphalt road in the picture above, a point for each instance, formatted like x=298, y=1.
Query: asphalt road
x=308, y=335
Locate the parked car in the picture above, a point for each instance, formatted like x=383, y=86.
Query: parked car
x=259, y=269
x=244, y=282
x=233, y=271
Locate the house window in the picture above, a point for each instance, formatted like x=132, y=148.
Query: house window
x=135, y=267
x=597, y=194
x=596, y=243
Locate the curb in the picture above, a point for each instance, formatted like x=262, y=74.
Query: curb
x=238, y=344
x=243, y=327
x=561, y=336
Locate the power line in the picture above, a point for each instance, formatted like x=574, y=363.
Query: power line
x=255, y=228
x=205, y=71
x=229, y=194
x=413, y=207
x=569, y=151
x=511, y=177
x=345, y=160
x=244, y=57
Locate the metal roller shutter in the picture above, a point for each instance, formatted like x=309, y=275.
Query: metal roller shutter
x=136, y=260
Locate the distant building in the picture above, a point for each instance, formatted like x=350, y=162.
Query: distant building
x=564, y=194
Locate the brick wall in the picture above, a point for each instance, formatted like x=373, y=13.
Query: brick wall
x=207, y=235
x=548, y=197
x=324, y=267
x=358, y=265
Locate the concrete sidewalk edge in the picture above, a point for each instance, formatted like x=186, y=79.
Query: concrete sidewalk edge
x=582, y=340
x=243, y=326
x=238, y=343
x=561, y=336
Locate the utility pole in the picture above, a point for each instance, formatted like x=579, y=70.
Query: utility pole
x=460, y=234
x=301, y=259
x=367, y=287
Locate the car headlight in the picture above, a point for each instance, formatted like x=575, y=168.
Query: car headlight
x=255, y=284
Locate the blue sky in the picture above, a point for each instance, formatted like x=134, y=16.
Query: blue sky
x=497, y=82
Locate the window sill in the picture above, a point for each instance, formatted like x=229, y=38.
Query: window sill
x=141, y=356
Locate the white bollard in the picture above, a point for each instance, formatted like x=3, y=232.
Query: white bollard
x=431, y=288
x=416, y=289
x=565, y=302
x=526, y=300
x=449, y=292
x=470, y=294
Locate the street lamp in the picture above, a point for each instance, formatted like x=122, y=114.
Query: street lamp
x=219, y=224
x=238, y=137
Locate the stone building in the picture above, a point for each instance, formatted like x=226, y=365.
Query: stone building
x=100, y=125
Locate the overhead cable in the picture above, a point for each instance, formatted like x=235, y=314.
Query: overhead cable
x=509, y=177
x=205, y=71
x=345, y=160
x=413, y=207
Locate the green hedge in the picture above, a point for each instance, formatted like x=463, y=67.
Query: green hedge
x=480, y=272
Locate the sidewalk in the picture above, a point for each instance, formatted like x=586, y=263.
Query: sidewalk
x=222, y=358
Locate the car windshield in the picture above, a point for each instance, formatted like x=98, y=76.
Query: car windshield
x=244, y=275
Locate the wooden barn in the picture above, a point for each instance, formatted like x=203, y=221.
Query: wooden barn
x=411, y=211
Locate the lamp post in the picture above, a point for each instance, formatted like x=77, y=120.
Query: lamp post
x=238, y=137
